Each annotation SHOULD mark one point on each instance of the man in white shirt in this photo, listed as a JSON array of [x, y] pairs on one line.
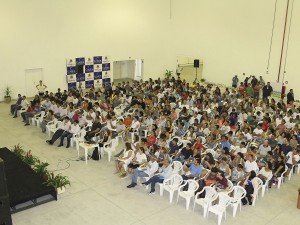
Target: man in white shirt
[[251, 164], [24, 105], [264, 148], [65, 127], [166, 172], [145, 170], [75, 129]]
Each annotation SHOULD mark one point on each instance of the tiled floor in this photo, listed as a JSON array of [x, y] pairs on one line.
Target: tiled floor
[[97, 196]]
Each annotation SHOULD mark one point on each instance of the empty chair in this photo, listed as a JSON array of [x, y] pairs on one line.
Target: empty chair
[[280, 179], [52, 126], [256, 191], [189, 193], [220, 208], [109, 148], [78, 138], [171, 185], [291, 173], [210, 196], [236, 200]]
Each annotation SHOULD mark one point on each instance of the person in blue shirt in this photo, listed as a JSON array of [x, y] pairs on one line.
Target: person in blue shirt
[[194, 169], [14, 106], [166, 172], [225, 143], [173, 147]]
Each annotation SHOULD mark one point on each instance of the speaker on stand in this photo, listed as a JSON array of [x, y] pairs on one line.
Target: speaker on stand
[[196, 65], [5, 216]]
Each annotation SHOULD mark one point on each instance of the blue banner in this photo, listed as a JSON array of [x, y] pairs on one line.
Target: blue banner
[[80, 61], [80, 77], [97, 75], [105, 66], [71, 85], [97, 59], [107, 80], [89, 84], [71, 70], [89, 68]]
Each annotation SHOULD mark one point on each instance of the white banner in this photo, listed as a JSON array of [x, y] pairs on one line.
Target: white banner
[[71, 78], [105, 59], [89, 76], [105, 74], [89, 60], [97, 83], [82, 84], [71, 62]]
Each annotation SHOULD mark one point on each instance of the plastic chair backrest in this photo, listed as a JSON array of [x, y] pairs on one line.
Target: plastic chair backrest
[[193, 185], [238, 192], [177, 179], [177, 166], [210, 193], [224, 200]]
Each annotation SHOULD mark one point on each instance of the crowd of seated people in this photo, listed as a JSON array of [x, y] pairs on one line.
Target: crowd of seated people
[[217, 135]]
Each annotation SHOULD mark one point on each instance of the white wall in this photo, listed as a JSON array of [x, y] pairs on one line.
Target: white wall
[[232, 36]]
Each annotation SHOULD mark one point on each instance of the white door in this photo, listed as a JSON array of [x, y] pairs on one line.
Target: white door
[[32, 78], [139, 69], [124, 69]]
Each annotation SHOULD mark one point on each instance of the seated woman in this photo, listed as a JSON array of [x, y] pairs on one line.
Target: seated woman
[[266, 174], [46, 120], [208, 161], [251, 185], [279, 168], [139, 159], [151, 139], [224, 167], [124, 160]]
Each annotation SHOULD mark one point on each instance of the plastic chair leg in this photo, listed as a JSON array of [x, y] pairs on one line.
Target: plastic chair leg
[[171, 196], [187, 203], [220, 218], [235, 206]]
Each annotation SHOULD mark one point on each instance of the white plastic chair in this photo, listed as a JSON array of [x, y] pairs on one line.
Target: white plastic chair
[[291, 173], [51, 125], [265, 187], [189, 194], [37, 117], [171, 185], [280, 179], [220, 208], [298, 168], [236, 200], [210, 196], [78, 138], [256, 191], [109, 148], [177, 167]]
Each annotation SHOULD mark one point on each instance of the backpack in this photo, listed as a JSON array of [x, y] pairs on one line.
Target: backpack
[[95, 155]]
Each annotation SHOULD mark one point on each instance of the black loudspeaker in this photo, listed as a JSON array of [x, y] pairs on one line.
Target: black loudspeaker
[[196, 63], [5, 216]]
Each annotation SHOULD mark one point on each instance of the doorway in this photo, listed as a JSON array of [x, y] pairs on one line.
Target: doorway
[[32, 78], [128, 69]]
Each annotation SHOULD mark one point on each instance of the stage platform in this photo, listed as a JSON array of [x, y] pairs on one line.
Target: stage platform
[[25, 187]]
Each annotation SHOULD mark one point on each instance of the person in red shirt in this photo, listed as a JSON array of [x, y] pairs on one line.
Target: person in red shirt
[[242, 89], [222, 182], [265, 125], [151, 139], [198, 145]]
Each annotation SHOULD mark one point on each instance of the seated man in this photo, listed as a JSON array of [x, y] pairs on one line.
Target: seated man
[[222, 182], [166, 172], [192, 170], [75, 128], [65, 127], [27, 115], [24, 105], [237, 174], [185, 153], [96, 127], [146, 170], [14, 106]]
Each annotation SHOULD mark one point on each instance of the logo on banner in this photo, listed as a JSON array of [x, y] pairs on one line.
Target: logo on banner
[[97, 68], [70, 63], [105, 60], [89, 68], [97, 83], [105, 67], [71, 78], [71, 70], [97, 59], [80, 61], [97, 75]]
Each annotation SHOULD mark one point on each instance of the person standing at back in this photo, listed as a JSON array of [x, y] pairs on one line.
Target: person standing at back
[[267, 91], [235, 81], [290, 97], [41, 88]]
